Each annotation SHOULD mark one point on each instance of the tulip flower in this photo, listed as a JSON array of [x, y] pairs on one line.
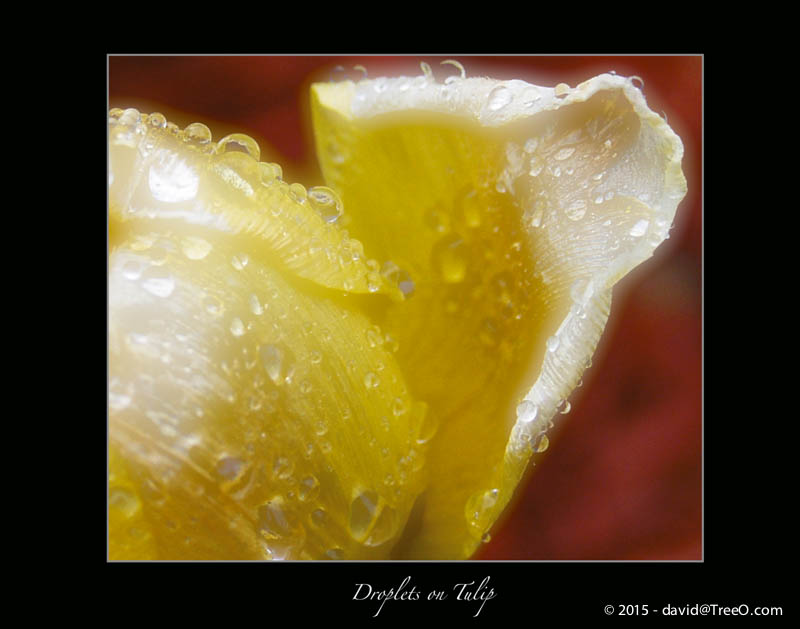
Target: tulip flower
[[365, 369]]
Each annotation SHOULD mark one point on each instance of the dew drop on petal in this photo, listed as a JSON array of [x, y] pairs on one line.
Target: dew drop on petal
[[237, 327], [326, 203], [255, 305], [499, 97], [564, 153], [540, 443], [240, 261], [239, 142], [195, 248], [197, 133], [160, 286], [527, 411], [309, 488], [576, 210], [363, 512]]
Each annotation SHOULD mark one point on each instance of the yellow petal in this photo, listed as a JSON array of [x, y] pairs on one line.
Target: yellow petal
[[514, 209], [254, 411]]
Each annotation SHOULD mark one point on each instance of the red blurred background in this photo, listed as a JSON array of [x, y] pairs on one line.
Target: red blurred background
[[622, 478]]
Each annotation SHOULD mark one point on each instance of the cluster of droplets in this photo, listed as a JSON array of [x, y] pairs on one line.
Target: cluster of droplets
[[235, 159], [479, 257]]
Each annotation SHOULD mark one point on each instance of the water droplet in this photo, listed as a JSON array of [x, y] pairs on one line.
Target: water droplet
[[280, 527], [552, 343], [283, 468], [195, 248], [255, 306], [132, 270], [239, 142], [197, 133], [373, 281], [363, 512], [298, 192], [309, 488], [399, 407], [270, 173], [486, 538], [567, 408], [384, 528], [637, 82], [530, 96], [561, 90], [277, 362], [124, 500], [213, 306], [499, 97], [527, 411], [237, 327], [371, 381], [160, 286], [536, 166], [640, 228], [326, 203], [426, 70], [423, 422], [478, 508], [455, 64], [239, 261], [118, 401], [540, 443], [564, 153], [130, 117], [576, 210], [230, 467], [157, 120], [450, 259], [239, 171]]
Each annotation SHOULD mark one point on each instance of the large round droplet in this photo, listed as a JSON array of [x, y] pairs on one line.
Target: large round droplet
[[499, 97], [527, 411], [195, 248], [239, 170], [363, 511], [197, 133], [326, 203], [239, 142]]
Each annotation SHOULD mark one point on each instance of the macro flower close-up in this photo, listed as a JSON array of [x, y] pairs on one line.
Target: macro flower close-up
[[403, 309]]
